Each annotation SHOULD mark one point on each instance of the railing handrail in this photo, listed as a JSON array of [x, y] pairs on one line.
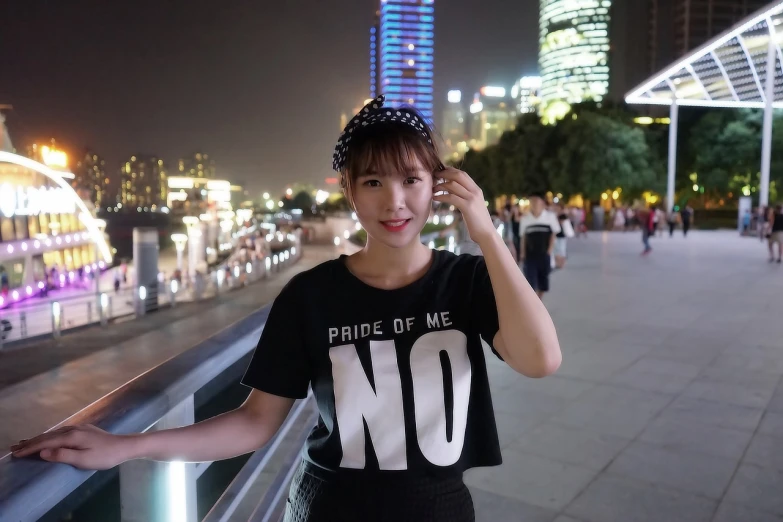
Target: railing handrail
[[30, 488], [235, 493]]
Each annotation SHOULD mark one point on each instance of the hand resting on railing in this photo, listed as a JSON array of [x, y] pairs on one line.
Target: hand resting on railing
[[234, 433]]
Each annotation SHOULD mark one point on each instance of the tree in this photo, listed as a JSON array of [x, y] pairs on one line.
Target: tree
[[302, 200], [586, 153], [597, 153]]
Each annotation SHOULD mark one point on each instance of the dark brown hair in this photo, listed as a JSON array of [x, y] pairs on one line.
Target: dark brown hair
[[387, 148]]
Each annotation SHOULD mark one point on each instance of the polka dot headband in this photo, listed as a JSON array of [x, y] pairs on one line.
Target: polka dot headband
[[374, 112]]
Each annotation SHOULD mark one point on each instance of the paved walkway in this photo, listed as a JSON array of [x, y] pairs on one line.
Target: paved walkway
[[669, 403], [47, 381]]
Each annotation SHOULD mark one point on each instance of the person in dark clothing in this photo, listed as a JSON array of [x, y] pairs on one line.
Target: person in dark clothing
[[775, 219], [686, 216], [672, 220], [647, 223], [515, 219], [538, 229]]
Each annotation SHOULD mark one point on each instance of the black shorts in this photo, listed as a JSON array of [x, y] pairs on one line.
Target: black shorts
[[377, 499], [536, 270]]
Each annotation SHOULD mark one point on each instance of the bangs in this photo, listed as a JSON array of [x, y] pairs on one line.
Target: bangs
[[390, 149]]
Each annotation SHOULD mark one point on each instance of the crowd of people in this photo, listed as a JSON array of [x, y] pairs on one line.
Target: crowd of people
[[536, 235]]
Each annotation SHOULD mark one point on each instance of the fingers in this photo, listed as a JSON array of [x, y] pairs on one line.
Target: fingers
[[63, 455], [450, 199], [64, 436], [452, 174], [452, 187]]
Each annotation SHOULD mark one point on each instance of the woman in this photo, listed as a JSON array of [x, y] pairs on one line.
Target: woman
[[385, 362], [561, 238]]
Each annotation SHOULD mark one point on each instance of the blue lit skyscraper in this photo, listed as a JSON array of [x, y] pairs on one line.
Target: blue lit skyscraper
[[402, 52]]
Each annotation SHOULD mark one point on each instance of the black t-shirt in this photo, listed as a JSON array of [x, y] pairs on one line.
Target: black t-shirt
[[561, 218], [538, 232], [777, 224], [399, 376]]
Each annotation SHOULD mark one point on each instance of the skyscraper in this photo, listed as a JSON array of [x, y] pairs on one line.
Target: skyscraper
[[144, 182], [491, 114], [90, 178], [197, 166], [526, 94], [402, 53], [454, 130], [574, 51], [698, 21]]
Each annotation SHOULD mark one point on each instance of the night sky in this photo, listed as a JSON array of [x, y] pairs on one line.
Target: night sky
[[257, 85]]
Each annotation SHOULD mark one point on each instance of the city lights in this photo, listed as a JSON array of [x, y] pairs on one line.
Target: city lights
[[455, 96], [493, 92], [402, 54], [573, 53], [54, 158]]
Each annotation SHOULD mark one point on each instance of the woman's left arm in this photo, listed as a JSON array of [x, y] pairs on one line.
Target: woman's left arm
[[527, 339]]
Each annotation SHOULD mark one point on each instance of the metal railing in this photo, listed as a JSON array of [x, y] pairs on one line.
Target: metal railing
[[159, 399], [52, 316]]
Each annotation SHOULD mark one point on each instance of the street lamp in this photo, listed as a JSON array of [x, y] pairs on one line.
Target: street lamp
[[180, 240], [190, 221], [195, 242]]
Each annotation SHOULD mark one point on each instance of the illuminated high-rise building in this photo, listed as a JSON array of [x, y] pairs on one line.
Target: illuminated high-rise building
[[492, 113], [90, 179], [454, 130], [527, 94], [574, 52], [402, 53], [197, 166], [144, 183]]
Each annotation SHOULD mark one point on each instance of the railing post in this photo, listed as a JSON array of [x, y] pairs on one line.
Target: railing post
[[173, 288], [160, 491], [89, 312], [140, 298], [23, 325], [57, 319], [103, 308]]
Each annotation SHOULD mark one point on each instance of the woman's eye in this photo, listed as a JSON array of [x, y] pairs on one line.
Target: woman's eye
[[372, 183], [411, 181]]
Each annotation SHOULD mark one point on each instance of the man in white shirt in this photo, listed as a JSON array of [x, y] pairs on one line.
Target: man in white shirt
[[538, 229]]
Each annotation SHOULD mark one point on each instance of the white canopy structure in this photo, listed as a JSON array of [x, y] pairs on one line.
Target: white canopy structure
[[741, 68]]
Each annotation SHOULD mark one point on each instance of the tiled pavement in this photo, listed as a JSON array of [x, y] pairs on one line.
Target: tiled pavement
[[669, 403]]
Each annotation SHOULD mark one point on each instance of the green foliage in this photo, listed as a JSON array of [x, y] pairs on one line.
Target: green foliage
[[588, 152], [302, 200]]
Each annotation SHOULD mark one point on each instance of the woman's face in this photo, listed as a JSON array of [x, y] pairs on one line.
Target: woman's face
[[394, 207]]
